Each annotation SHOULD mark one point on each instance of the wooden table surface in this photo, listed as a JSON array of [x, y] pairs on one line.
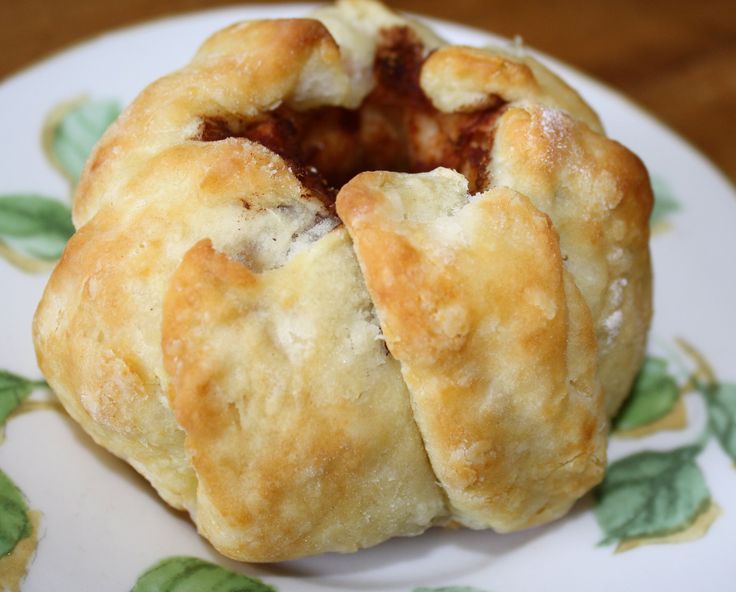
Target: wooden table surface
[[677, 58]]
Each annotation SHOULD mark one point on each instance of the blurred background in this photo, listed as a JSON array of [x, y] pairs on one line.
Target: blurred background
[[676, 58]]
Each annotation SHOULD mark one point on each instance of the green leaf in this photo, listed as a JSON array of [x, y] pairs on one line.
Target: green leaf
[[14, 520], [664, 202], [653, 396], [37, 226], [75, 134], [722, 416], [449, 589], [651, 494], [189, 574], [13, 390]]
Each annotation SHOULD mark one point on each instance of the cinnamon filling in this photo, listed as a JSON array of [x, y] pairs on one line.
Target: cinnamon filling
[[396, 128]]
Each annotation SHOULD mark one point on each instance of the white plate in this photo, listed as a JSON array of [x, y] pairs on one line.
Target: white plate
[[102, 525]]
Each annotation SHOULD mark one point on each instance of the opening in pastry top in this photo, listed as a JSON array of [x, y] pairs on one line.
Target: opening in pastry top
[[396, 128]]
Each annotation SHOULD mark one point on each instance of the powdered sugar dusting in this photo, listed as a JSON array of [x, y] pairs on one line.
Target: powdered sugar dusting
[[272, 169], [612, 323], [616, 291], [555, 126]]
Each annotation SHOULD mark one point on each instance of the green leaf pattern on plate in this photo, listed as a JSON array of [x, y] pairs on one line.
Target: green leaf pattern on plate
[[651, 494], [654, 395], [664, 201], [35, 225], [77, 132], [189, 574], [14, 390], [722, 416], [34, 228], [14, 520]]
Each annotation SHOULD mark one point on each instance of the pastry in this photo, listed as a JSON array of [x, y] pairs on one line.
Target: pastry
[[337, 281]]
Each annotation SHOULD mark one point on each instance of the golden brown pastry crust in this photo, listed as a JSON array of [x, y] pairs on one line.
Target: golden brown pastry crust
[[209, 322], [108, 370], [495, 344], [598, 196], [281, 378]]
